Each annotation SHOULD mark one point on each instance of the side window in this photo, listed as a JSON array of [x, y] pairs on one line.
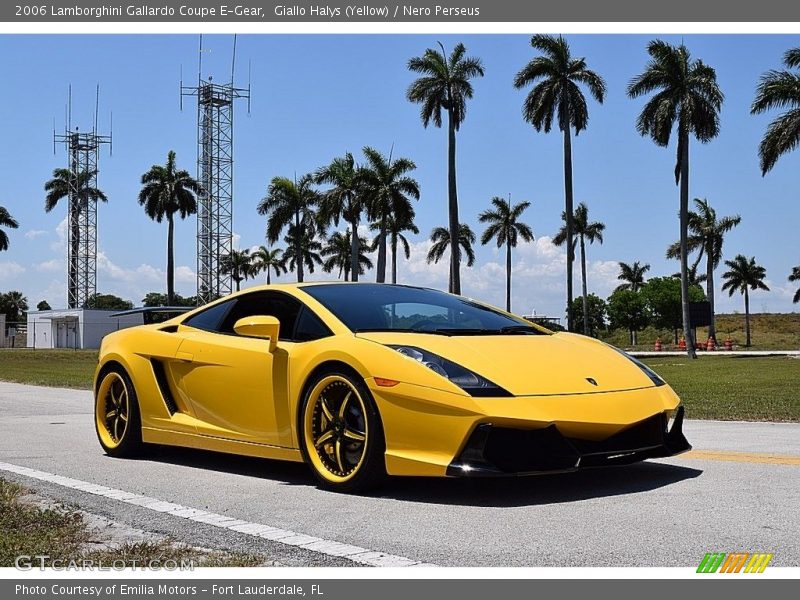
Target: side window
[[310, 327], [211, 318], [283, 307]]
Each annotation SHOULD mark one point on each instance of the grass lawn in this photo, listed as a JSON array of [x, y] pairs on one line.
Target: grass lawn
[[734, 388], [768, 332], [713, 387], [56, 368], [60, 533]]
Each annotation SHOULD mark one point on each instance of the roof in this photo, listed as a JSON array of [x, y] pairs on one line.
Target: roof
[[153, 309]]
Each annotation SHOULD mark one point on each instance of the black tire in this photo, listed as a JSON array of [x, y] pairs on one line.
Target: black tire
[[129, 444], [371, 471]]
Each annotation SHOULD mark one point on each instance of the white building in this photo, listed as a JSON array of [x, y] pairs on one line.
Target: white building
[[75, 327]]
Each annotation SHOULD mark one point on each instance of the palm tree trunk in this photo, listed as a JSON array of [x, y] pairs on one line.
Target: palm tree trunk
[[508, 276], [747, 317], [268, 281], [394, 259], [452, 202], [298, 248], [380, 277], [583, 289], [354, 249], [684, 223], [712, 326], [569, 220], [170, 260]]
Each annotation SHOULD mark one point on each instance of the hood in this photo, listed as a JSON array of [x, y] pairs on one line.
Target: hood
[[531, 365]]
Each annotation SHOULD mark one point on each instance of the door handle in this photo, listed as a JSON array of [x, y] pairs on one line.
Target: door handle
[[185, 356]]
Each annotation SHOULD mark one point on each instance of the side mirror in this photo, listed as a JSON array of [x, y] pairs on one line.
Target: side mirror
[[259, 326]]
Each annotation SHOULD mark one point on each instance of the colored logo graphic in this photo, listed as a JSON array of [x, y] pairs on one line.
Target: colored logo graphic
[[740, 562]]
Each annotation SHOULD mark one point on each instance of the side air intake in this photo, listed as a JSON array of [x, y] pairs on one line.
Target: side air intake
[[163, 385]]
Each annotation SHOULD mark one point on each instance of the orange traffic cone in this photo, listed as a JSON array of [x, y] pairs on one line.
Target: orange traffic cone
[[659, 345], [729, 343], [711, 344], [682, 344]]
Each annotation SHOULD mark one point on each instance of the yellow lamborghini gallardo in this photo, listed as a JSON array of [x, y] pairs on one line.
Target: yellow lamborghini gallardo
[[364, 380]]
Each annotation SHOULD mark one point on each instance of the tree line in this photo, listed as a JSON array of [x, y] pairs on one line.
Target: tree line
[[682, 101]]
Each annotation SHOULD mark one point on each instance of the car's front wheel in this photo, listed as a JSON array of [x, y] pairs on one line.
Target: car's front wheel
[[117, 419], [341, 434]]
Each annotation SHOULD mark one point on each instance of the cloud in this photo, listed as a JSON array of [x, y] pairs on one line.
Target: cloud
[[32, 234], [537, 276], [51, 266], [184, 274], [60, 245], [10, 271], [132, 283]]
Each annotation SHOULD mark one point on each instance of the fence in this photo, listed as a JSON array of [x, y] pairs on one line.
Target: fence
[[14, 335]]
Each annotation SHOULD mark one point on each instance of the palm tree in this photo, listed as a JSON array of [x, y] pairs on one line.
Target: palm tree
[[6, 220], [585, 231], [558, 95], [779, 89], [239, 265], [695, 279], [304, 246], [686, 98], [445, 85], [15, 305], [706, 234], [80, 191], [632, 275], [440, 236], [337, 253], [291, 204], [506, 228], [394, 229], [744, 275], [166, 190], [268, 260], [795, 276], [388, 190], [343, 200]]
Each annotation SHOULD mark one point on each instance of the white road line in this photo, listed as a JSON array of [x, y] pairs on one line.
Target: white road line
[[290, 538]]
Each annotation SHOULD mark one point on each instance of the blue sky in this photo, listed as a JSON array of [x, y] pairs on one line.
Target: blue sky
[[317, 96]]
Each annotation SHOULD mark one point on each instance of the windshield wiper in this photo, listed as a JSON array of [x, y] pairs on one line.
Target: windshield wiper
[[459, 331], [519, 330], [400, 330]]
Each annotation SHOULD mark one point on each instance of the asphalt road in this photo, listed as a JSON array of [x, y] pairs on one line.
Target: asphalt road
[[738, 491]]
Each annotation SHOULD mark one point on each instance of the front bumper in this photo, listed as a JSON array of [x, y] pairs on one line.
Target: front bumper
[[493, 451]]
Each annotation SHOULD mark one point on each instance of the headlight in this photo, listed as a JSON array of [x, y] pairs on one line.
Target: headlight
[[470, 382], [654, 377]]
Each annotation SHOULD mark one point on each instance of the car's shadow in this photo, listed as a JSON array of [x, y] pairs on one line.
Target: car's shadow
[[494, 492]]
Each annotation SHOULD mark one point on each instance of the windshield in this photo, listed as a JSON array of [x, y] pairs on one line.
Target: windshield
[[380, 307]]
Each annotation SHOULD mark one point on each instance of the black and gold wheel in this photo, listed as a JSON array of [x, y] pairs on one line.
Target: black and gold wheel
[[341, 434], [117, 420]]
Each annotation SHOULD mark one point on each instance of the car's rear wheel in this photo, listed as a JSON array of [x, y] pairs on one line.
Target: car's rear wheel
[[117, 420], [341, 434]]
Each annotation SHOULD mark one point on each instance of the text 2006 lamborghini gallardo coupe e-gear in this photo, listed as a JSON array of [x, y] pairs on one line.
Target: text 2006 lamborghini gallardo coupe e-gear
[[364, 380]]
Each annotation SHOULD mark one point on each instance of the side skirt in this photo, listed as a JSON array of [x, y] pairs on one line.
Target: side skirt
[[205, 442]]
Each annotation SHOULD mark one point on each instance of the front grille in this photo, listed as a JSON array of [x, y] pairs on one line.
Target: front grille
[[492, 450]]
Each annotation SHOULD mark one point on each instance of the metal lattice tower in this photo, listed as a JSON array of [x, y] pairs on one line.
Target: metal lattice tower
[[215, 175], [83, 152]]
